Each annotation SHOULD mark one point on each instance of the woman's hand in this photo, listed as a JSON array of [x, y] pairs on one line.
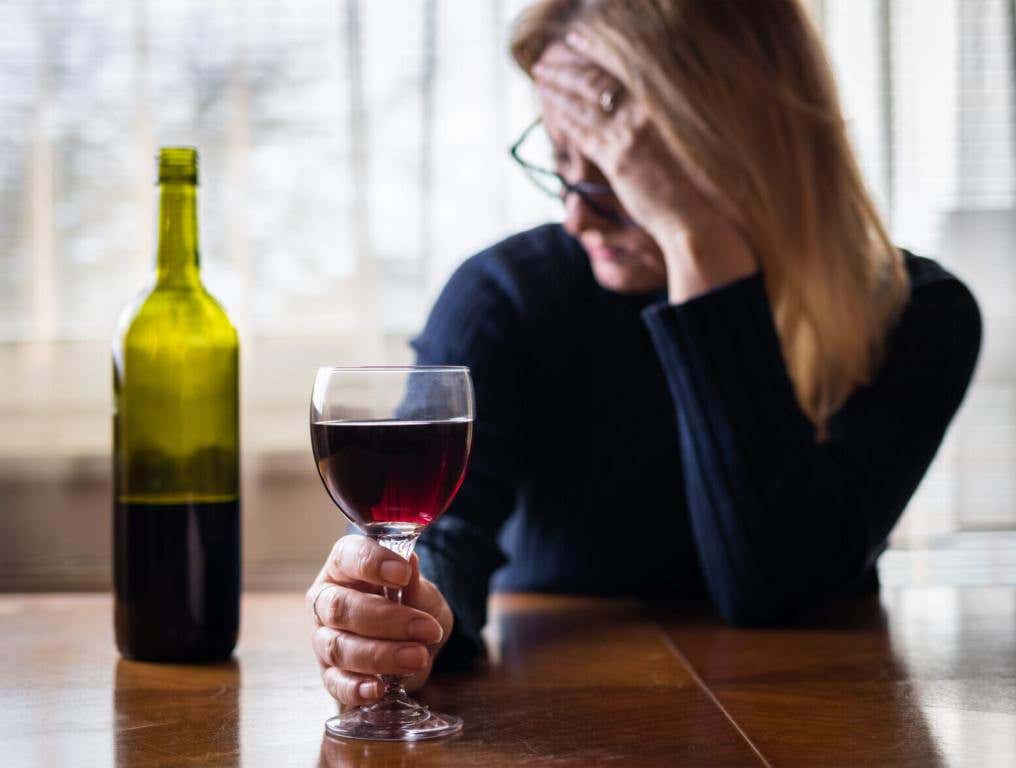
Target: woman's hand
[[701, 247], [360, 633]]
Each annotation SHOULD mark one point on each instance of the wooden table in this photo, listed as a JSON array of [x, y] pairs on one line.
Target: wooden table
[[926, 676]]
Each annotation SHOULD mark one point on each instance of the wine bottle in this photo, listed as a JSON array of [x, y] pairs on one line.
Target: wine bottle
[[176, 505]]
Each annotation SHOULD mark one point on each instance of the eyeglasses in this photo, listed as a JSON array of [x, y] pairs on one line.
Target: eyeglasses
[[599, 198]]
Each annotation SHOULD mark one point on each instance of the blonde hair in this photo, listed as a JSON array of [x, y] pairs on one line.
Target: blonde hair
[[744, 96]]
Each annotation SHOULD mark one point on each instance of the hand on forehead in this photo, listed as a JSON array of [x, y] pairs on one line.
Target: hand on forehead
[[559, 53], [571, 66]]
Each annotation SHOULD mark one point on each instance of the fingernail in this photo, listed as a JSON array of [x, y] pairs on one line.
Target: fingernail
[[575, 40], [396, 572], [411, 657], [367, 690], [425, 630]]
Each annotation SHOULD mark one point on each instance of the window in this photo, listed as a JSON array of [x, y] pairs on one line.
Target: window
[[352, 154]]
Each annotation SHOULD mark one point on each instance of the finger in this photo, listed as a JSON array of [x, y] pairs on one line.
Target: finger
[[578, 122], [562, 102], [357, 559], [352, 653], [559, 52], [564, 54], [317, 595], [585, 82], [424, 594], [421, 593], [374, 616], [593, 50], [601, 147], [350, 688]]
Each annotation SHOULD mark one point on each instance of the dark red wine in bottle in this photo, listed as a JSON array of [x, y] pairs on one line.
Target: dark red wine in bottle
[[392, 471], [177, 579]]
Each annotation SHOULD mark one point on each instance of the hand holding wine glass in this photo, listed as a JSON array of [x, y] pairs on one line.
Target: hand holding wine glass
[[391, 446], [362, 634]]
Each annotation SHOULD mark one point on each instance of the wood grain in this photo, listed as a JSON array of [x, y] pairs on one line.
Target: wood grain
[[924, 677], [571, 682]]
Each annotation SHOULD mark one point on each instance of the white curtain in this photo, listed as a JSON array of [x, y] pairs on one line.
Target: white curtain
[[353, 153]]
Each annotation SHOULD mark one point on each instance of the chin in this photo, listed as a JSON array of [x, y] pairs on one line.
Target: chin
[[624, 278]]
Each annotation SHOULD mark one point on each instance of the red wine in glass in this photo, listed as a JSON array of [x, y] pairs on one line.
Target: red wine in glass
[[383, 472]]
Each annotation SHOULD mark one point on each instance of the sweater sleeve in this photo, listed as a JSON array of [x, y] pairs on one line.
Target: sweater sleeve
[[779, 519], [475, 323]]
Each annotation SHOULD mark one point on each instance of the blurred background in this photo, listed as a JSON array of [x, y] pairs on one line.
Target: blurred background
[[353, 153]]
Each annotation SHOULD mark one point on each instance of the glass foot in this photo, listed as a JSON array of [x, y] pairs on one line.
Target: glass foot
[[397, 719]]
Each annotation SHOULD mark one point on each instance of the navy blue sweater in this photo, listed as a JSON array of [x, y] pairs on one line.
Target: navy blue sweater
[[624, 445]]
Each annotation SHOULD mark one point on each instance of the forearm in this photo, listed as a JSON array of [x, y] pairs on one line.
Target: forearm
[[776, 528], [778, 518]]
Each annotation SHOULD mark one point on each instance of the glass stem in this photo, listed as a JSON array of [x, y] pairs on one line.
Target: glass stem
[[401, 543]]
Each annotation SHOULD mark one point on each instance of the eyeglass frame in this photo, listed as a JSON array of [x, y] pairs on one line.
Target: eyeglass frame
[[584, 189]]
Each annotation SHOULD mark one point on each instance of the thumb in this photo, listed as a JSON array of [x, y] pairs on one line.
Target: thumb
[[423, 594]]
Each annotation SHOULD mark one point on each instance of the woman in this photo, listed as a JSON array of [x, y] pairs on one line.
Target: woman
[[718, 377]]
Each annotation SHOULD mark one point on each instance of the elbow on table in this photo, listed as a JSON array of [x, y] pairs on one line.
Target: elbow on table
[[780, 596], [752, 619], [754, 609]]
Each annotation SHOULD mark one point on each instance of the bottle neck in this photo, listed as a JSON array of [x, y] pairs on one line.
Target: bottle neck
[[178, 235]]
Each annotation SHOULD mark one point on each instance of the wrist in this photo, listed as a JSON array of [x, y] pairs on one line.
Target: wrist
[[698, 261]]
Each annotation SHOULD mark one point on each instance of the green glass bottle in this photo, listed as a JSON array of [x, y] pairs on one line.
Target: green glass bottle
[[176, 505]]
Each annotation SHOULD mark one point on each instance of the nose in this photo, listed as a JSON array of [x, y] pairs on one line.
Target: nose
[[578, 215]]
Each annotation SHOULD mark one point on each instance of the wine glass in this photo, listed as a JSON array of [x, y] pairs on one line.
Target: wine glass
[[391, 445]]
